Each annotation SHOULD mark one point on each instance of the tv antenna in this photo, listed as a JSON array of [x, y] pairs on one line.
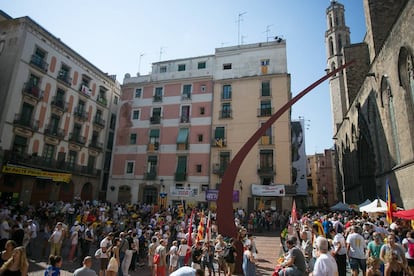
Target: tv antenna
[[239, 19], [161, 52], [267, 32], [139, 63]]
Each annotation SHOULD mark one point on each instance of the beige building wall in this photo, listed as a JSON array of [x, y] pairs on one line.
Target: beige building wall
[[246, 116]]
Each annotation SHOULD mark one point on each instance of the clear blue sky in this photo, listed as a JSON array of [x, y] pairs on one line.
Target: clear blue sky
[[113, 34]]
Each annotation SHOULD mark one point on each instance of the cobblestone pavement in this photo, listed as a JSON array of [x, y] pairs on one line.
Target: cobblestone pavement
[[268, 245]]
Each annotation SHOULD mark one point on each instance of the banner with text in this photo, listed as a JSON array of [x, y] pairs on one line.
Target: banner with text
[[55, 176], [268, 190], [212, 195]]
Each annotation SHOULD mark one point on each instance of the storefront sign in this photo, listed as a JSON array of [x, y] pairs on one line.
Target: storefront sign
[[268, 190], [181, 192], [212, 195], [56, 177]]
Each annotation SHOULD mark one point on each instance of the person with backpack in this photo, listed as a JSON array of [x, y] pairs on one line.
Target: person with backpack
[[408, 244], [230, 257]]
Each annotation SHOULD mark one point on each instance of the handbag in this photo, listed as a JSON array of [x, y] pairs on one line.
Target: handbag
[[113, 265], [156, 259]]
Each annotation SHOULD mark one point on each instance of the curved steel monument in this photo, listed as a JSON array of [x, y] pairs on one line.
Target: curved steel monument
[[226, 226]]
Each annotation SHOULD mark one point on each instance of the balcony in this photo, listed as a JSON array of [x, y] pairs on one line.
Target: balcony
[[153, 147], [39, 63], [98, 121], [85, 90], [265, 112], [184, 120], [22, 121], [157, 98], [219, 142], [54, 132], [76, 138], [102, 101], [180, 176], [59, 103], [80, 114], [41, 162], [186, 97], [151, 175], [64, 78], [155, 120], [96, 145], [182, 146], [266, 140], [32, 91], [266, 170], [225, 114]]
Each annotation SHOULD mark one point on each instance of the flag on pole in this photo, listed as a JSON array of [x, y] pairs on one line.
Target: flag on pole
[[200, 230], [293, 215], [190, 239], [391, 206], [208, 228]]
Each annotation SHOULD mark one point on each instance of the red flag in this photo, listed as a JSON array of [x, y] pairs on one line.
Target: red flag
[[190, 240], [200, 230], [293, 215], [391, 206]]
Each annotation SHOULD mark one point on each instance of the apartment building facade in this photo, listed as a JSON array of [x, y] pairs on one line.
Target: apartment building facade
[[250, 84], [56, 114], [162, 145], [180, 126], [321, 177]]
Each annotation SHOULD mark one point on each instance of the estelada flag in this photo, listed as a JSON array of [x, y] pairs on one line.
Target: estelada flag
[[391, 206], [293, 215]]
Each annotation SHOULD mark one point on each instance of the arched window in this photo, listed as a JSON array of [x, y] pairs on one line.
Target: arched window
[[331, 47], [339, 43], [330, 21], [387, 98]]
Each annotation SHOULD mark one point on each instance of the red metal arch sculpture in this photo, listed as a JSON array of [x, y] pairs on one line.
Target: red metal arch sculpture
[[225, 215]]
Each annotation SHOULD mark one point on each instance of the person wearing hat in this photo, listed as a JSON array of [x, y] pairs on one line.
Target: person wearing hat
[[295, 263], [231, 258]]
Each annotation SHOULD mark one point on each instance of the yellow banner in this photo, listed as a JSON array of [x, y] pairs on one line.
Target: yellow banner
[[57, 177]]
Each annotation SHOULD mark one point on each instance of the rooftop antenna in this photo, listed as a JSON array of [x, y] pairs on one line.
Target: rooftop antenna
[[239, 19], [161, 52], [267, 32], [139, 63]]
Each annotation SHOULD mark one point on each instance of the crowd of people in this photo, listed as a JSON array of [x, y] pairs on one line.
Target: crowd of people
[[318, 244], [123, 238]]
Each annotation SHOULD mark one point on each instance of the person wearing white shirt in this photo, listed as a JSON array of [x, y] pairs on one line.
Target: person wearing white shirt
[[339, 251], [356, 246], [325, 264]]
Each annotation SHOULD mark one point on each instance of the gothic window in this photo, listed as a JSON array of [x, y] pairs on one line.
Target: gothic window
[[387, 98], [339, 43], [331, 47]]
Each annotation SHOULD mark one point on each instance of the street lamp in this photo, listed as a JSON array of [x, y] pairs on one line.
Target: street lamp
[[162, 183]]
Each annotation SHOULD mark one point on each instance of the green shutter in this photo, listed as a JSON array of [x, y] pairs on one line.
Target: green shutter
[[182, 137], [219, 133], [154, 133]]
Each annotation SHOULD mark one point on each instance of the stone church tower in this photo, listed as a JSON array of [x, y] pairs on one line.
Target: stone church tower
[[336, 37]]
